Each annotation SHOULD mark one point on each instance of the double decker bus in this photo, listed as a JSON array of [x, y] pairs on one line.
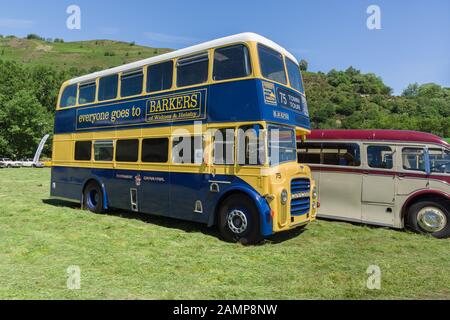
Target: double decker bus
[[205, 134]]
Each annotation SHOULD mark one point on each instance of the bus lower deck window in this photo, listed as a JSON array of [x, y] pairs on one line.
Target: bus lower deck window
[[127, 150], [155, 150], [188, 150], [83, 150], [103, 150]]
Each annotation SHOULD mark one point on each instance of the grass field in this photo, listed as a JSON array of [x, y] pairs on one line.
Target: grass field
[[82, 54], [128, 256]]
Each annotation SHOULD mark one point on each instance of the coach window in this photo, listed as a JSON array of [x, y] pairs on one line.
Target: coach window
[[413, 159], [155, 150], [127, 150], [272, 65], [439, 160], [192, 70], [379, 157], [107, 87], [103, 150], [341, 154], [69, 96], [159, 76], [83, 150], [231, 62], [309, 153], [224, 146], [131, 83], [188, 150], [87, 92]]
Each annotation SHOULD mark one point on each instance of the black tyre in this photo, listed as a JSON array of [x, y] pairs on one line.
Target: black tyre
[[430, 217], [239, 220], [93, 198]]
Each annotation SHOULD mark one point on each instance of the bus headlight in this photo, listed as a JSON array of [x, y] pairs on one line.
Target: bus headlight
[[314, 194], [284, 197]]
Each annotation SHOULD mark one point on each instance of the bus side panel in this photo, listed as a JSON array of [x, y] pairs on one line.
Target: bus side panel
[[66, 183]]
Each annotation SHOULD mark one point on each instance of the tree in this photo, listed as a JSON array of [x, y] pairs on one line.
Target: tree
[[23, 122], [303, 65]]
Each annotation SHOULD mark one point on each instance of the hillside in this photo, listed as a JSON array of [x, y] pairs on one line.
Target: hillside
[[98, 54], [33, 69]]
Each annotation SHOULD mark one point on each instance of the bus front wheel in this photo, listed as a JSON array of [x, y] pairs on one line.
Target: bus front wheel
[[93, 198], [239, 220], [430, 217]]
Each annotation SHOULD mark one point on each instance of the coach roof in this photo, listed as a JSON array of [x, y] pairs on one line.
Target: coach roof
[[242, 37], [377, 135]]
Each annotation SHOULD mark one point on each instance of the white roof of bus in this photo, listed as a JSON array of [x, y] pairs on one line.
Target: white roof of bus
[[241, 37]]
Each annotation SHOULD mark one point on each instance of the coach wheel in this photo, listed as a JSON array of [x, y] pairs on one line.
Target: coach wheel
[[9, 166], [93, 198], [429, 217], [239, 220]]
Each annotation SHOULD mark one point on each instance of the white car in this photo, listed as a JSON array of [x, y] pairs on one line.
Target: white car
[[8, 163], [29, 163]]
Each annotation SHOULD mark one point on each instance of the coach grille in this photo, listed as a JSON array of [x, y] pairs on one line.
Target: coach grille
[[300, 196]]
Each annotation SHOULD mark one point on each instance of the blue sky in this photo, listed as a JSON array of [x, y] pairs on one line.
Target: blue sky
[[412, 46]]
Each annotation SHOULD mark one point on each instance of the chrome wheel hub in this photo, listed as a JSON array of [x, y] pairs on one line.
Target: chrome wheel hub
[[431, 219], [237, 221]]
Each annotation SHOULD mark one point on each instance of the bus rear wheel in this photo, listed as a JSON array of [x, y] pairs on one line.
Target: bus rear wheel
[[239, 220], [93, 198], [430, 217]]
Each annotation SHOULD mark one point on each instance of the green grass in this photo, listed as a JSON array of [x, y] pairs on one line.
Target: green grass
[[81, 54], [128, 256]]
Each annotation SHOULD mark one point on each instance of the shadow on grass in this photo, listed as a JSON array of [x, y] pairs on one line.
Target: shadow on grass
[[173, 223], [166, 222]]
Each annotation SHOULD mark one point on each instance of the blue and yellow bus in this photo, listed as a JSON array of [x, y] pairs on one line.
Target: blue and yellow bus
[[149, 137]]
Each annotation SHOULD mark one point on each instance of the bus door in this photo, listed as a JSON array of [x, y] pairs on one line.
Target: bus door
[[378, 186], [189, 176], [153, 181], [412, 174]]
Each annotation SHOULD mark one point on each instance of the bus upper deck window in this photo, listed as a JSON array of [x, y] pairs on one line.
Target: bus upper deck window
[[69, 96], [192, 70], [272, 65], [107, 87], [87, 92], [295, 77], [231, 62], [160, 76], [131, 83]]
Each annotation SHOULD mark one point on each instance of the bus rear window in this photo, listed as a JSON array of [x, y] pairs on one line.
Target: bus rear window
[[231, 62], [159, 76], [107, 88], [272, 65], [69, 96], [192, 70], [87, 93], [131, 83], [295, 78]]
